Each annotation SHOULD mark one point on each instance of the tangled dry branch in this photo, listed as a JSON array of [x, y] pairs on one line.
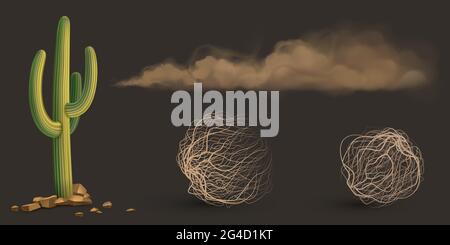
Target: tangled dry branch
[[226, 165], [381, 166]]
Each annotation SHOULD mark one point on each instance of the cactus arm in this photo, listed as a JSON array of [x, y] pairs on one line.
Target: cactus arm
[[42, 120], [77, 108], [75, 93]]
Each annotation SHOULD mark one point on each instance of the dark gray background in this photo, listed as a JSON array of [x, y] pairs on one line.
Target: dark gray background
[[124, 149]]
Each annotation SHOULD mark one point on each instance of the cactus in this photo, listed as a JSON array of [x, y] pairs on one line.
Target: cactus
[[71, 99]]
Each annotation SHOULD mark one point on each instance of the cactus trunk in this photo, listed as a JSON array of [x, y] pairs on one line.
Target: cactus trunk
[[62, 160], [70, 101], [62, 164]]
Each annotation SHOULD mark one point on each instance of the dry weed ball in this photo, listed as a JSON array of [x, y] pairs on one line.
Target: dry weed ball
[[381, 166], [225, 165]]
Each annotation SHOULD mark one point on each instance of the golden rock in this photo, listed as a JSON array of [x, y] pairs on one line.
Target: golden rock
[[30, 207], [107, 204], [79, 214], [48, 202], [88, 201], [77, 200], [61, 201], [15, 208], [37, 199], [78, 189]]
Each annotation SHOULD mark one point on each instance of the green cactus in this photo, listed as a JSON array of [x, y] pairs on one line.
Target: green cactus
[[70, 101]]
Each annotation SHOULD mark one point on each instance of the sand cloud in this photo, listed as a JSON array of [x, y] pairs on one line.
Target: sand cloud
[[340, 60]]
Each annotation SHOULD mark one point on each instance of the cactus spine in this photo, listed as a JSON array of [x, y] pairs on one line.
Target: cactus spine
[[70, 100]]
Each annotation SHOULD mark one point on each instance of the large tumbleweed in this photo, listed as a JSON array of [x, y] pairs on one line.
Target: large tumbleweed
[[381, 166], [226, 165]]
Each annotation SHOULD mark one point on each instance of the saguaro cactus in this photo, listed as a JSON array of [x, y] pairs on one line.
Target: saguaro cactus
[[70, 101]]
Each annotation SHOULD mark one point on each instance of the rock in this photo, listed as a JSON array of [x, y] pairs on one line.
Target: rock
[[48, 202], [87, 195], [77, 200], [78, 189], [30, 207], [15, 208], [99, 212], [61, 201], [37, 199], [79, 214], [107, 204], [130, 210], [94, 210], [88, 201]]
